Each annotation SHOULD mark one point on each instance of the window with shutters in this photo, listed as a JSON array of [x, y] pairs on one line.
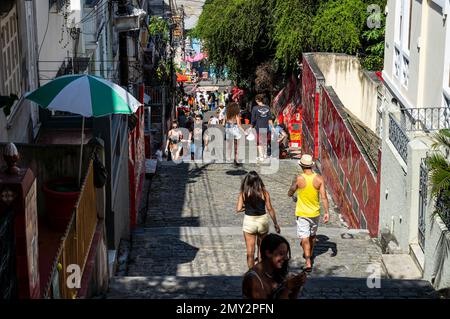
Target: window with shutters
[[403, 40], [10, 82]]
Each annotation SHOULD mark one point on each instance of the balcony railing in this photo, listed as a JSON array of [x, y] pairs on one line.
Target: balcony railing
[[75, 245], [443, 208], [158, 94], [398, 138], [427, 119]]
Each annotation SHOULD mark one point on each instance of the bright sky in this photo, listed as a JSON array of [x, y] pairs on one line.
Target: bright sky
[[192, 9]]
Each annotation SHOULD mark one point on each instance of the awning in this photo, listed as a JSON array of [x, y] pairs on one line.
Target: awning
[[198, 57]]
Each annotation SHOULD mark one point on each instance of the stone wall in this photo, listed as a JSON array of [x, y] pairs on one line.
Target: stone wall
[[356, 88]]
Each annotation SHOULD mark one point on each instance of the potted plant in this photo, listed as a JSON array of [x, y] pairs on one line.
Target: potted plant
[[61, 196]]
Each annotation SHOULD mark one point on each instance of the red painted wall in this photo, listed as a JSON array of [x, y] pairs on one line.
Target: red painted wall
[[136, 161], [352, 184], [346, 171], [309, 97]]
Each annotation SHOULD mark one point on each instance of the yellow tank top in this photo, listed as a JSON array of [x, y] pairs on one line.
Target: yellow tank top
[[308, 204]]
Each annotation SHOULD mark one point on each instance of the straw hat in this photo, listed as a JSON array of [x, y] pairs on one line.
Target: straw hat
[[306, 161]]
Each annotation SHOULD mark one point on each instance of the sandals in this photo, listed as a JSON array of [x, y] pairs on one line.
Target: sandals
[[307, 269]]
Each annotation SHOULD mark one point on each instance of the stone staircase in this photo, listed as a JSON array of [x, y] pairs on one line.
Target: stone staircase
[[190, 244], [208, 262]]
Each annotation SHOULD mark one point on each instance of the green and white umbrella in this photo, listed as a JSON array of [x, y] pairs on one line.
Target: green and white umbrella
[[85, 95]]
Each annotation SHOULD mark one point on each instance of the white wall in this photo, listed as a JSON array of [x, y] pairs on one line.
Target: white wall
[[433, 58], [399, 185], [356, 90], [411, 92], [437, 256], [57, 44], [389, 40], [426, 55], [393, 186]]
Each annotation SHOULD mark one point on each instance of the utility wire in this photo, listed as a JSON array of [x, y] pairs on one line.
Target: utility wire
[[45, 34], [94, 11]]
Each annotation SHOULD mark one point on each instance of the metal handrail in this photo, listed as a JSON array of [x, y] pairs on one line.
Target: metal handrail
[[15, 109], [398, 138], [427, 119], [443, 208]]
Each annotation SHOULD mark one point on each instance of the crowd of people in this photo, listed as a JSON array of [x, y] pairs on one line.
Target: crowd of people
[[224, 109], [268, 275]]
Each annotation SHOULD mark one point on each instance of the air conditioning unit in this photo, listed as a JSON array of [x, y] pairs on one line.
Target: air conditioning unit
[[129, 22]]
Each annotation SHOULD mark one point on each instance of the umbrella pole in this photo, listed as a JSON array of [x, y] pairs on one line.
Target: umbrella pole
[[81, 152]]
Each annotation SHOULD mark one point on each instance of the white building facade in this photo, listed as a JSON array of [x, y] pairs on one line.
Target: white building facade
[[416, 104]]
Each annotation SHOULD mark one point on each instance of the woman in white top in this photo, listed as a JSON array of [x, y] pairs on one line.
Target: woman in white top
[[222, 112], [213, 120], [233, 130]]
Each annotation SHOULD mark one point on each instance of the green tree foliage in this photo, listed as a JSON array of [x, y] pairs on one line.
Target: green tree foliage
[[372, 56], [338, 26], [374, 52], [158, 27], [237, 34], [439, 164], [245, 34], [292, 30], [439, 170]]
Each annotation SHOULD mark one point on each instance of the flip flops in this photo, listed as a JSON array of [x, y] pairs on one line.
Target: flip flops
[[307, 269]]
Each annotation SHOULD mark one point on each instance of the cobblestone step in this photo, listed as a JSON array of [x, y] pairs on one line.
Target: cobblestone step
[[205, 195], [191, 244], [220, 287], [217, 251]]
